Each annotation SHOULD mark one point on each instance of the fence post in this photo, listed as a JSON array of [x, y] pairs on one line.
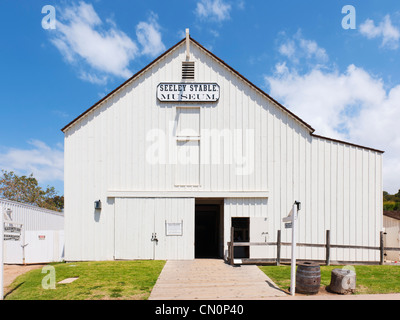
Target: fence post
[[328, 247], [382, 248], [278, 248]]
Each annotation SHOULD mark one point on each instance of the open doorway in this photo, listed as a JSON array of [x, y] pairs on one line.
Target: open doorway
[[208, 229], [241, 234]]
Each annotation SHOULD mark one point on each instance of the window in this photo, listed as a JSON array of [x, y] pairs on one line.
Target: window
[[187, 170], [188, 123]]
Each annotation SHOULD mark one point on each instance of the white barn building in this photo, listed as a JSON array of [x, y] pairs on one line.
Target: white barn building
[[188, 148], [41, 238], [391, 225]]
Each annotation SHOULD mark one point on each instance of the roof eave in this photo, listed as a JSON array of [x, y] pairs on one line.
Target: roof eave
[[121, 86], [70, 124], [347, 143], [309, 127]]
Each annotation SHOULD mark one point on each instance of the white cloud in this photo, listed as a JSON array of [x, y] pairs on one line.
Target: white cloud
[[390, 34], [81, 37], [352, 105], [328, 100], [297, 48], [312, 50], [101, 50], [217, 10], [149, 36], [93, 78], [288, 49], [46, 163]]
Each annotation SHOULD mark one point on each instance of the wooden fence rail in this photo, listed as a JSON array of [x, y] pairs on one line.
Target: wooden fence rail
[[328, 246]]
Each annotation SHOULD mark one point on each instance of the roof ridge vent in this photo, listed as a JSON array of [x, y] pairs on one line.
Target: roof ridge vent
[[188, 70]]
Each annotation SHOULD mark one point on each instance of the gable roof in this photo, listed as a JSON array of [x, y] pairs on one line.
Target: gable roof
[[209, 53], [263, 93], [120, 87]]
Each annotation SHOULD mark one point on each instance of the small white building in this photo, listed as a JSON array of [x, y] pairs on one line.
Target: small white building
[[391, 224], [42, 234], [187, 148]]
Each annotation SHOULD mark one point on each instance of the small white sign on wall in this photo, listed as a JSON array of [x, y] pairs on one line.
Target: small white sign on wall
[[174, 229]]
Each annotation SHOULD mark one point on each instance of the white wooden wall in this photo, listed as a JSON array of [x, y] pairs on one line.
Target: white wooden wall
[[35, 221], [138, 218], [113, 149], [339, 187], [40, 246], [33, 218], [344, 196]]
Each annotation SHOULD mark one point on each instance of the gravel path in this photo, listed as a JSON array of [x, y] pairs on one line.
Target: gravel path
[[13, 271]]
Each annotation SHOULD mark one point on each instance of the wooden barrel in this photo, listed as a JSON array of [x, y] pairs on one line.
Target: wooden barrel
[[308, 278]]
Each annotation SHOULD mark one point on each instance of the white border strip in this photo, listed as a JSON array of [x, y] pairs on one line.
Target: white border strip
[[187, 194]]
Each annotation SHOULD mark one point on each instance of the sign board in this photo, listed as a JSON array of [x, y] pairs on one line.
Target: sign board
[[289, 218], [174, 229], [41, 237], [188, 92], [288, 225], [12, 231]]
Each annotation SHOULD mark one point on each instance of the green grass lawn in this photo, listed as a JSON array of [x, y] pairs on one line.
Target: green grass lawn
[[370, 279], [131, 280]]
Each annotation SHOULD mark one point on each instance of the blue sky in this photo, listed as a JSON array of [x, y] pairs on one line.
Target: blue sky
[[343, 82]]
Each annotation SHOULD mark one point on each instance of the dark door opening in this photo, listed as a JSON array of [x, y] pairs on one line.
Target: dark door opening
[[207, 226], [241, 234]]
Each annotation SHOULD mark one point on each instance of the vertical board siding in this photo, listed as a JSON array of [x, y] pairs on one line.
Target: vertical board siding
[[35, 221], [392, 237], [353, 204], [33, 218], [339, 185], [137, 219]]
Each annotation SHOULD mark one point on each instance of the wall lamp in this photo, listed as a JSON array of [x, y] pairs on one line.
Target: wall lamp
[[97, 205]]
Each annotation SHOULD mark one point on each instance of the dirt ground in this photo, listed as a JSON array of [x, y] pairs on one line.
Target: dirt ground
[[13, 271], [322, 292]]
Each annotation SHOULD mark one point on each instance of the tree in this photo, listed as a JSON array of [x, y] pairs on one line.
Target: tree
[[56, 201], [391, 202], [27, 190], [385, 194]]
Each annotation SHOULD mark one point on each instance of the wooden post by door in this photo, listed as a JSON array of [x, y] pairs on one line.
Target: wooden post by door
[[278, 248], [328, 247], [232, 247]]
